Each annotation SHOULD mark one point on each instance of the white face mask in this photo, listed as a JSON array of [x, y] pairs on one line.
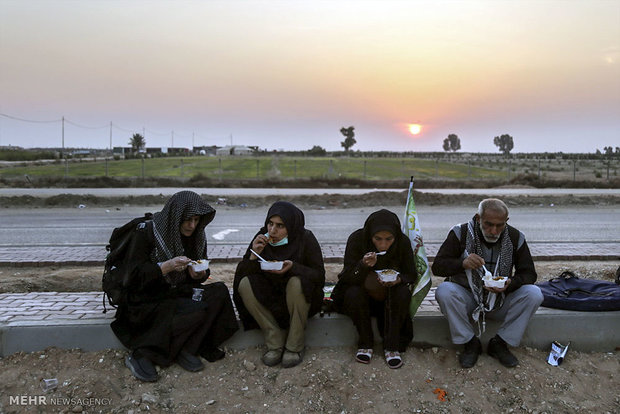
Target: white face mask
[[278, 243]]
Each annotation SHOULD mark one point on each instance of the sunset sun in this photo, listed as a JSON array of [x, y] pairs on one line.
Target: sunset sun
[[415, 129]]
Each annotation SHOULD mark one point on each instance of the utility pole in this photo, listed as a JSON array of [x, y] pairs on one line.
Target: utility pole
[[63, 135], [192, 140], [110, 136]]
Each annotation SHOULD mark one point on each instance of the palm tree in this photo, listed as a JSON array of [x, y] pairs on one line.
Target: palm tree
[[137, 143]]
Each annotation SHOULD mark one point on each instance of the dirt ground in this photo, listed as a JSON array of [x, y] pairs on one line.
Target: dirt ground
[[88, 278], [328, 381]]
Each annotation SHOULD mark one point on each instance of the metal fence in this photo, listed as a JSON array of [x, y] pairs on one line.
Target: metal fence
[[285, 167]]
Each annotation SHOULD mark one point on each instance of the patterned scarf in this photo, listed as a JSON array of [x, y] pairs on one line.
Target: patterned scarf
[[167, 230], [486, 301]]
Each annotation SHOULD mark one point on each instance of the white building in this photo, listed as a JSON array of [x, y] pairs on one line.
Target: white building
[[234, 150]]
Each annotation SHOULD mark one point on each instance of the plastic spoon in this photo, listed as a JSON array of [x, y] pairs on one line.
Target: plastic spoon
[[486, 272], [381, 253], [258, 255]]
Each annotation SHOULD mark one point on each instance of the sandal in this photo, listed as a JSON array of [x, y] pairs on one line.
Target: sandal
[[363, 355], [393, 359]]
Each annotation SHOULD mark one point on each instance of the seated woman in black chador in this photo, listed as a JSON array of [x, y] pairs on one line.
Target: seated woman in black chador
[[360, 293], [160, 323], [280, 301]]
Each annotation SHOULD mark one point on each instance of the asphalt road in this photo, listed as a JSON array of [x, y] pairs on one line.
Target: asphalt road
[[60, 226]]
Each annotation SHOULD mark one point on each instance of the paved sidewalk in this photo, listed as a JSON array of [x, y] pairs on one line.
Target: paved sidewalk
[[95, 255], [41, 307]]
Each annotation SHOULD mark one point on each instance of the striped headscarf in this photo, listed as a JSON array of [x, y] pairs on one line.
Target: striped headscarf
[[167, 230]]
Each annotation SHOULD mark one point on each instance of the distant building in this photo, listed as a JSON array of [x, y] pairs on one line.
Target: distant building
[[121, 150], [235, 150], [175, 151], [205, 150]]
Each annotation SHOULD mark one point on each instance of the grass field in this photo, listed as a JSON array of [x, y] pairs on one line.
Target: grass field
[[281, 167]]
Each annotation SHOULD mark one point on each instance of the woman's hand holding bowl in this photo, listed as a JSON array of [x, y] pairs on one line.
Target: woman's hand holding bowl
[[176, 264]]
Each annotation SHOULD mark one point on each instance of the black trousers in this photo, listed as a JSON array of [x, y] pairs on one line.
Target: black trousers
[[198, 326], [392, 315]]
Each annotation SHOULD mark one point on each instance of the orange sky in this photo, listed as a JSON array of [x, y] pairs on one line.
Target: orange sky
[[284, 75]]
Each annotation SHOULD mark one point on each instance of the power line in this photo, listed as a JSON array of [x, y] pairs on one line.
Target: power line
[[157, 133], [131, 131], [86, 127], [30, 120]]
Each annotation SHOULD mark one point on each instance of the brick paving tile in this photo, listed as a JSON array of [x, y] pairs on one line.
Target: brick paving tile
[[69, 316], [98, 315], [22, 312], [18, 318]]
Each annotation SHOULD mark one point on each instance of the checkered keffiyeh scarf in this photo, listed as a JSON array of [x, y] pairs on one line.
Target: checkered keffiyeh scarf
[[167, 230], [485, 300]]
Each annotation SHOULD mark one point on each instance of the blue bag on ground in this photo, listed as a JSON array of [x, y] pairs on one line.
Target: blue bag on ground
[[569, 292]]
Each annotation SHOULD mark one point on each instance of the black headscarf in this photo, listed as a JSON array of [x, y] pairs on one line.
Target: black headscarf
[[385, 220], [294, 222], [169, 242]]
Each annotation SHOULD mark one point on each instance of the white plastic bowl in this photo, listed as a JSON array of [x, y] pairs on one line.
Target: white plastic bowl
[[271, 265], [200, 265], [387, 275], [499, 283]]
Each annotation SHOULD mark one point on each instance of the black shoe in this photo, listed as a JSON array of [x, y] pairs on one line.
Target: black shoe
[[498, 348], [291, 359], [141, 368], [189, 362], [469, 356], [213, 354]]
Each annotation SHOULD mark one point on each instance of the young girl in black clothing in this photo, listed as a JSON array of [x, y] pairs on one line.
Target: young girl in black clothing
[[360, 292]]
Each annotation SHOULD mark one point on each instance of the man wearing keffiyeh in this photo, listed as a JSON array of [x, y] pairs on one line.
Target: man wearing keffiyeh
[[486, 241]]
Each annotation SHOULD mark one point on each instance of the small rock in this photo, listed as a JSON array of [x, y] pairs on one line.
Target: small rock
[[149, 398], [210, 402], [435, 349], [77, 409], [248, 365]]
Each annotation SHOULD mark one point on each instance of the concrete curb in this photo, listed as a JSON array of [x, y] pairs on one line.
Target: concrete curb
[[34, 321]]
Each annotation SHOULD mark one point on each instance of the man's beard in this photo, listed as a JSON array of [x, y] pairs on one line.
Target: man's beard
[[488, 238]]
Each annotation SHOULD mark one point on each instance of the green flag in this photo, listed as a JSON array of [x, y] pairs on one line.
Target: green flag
[[411, 227]]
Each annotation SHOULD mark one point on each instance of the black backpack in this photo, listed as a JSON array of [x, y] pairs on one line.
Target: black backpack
[[114, 280]]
